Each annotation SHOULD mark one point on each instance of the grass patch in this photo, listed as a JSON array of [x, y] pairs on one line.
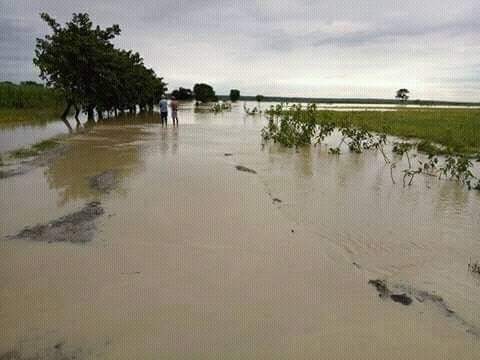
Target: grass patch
[[12, 117], [34, 150], [456, 130]]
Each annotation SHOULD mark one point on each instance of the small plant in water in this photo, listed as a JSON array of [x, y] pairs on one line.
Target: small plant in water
[[297, 126], [334, 151], [474, 267]]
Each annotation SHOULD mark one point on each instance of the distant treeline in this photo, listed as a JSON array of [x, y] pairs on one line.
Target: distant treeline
[[29, 95], [80, 60], [351, 101]]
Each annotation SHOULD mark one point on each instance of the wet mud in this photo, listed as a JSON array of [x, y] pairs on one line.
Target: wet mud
[[20, 167], [104, 182], [405, 294], [245, 169], [77, 227], [55, 352]]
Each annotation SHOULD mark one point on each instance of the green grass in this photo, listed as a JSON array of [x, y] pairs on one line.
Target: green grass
[[34, 150], [456, 130], [28, 102], [12, 117], [28, 96]]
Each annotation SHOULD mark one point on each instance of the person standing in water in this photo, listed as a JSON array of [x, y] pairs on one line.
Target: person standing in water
[[174, 107], [163, 110]]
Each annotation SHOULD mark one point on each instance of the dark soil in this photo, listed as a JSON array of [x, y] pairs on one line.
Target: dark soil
[[55, 353], [39, 159], [401, 298], [245, 169], [78, 227]]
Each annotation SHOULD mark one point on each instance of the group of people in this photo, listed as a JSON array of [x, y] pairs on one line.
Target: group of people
[[164, 110]]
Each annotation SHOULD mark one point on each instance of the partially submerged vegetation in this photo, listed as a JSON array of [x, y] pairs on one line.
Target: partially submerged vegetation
[[14, 117], [28, 101], [474, 267], [35, 149], [297, 126], [28, 95], [457, 130]]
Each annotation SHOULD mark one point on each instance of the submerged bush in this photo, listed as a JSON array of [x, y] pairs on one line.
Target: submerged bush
[[298, 126]]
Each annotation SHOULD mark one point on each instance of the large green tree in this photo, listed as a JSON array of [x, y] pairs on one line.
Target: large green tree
[[234, 94], [80, 60], [402, 94], [204, 93], [182, 94]]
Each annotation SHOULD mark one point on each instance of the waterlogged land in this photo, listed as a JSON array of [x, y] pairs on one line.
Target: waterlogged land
[[458, 130], [200, 242]]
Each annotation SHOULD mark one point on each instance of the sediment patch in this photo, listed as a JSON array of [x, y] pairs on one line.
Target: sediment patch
[[43, 158], [245, 169], [77, 227], [385, 292], [403, 294], [56, 352], [105, 181]]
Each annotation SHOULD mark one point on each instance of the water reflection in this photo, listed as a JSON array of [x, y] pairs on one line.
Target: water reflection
[[114, 146]]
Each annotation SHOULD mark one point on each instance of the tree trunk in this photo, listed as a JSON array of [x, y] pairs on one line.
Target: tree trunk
[[67, 110], [90, 113], [64, 115], [77, 112]]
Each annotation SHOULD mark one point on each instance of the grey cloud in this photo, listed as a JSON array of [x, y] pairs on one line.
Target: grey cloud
[[231, 41]]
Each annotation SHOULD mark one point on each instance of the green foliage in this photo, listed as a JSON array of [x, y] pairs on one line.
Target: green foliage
[[204, 93], [456, 130], [296, 126], [182, 94], [80, 60], [28, 95], [234, 95], [402, 94]]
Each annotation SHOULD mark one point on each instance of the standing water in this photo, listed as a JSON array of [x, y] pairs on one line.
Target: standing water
[[193, 258]]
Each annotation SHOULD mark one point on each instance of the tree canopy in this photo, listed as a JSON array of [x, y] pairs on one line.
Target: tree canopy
[[260, 98], [402, 94], [182, 94], [80, 60], [204, 93], [234, 94]]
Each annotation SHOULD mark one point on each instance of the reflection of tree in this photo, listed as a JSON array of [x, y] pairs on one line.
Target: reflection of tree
[[111, 146]]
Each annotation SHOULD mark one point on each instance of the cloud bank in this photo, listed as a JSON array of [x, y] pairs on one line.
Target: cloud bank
[[364, 48]]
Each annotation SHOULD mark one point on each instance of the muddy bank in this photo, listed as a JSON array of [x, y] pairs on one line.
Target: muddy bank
[[405, 295], [16, 167], [77, 227]]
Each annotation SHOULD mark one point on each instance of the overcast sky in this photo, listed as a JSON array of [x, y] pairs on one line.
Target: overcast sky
[[327, 48]]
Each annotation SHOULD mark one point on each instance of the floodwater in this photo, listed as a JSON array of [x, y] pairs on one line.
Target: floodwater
[[195, 259]]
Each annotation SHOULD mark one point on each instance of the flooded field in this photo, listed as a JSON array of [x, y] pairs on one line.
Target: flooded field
[[200, 242]]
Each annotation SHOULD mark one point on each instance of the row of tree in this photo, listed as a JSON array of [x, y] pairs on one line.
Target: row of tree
[[80, 60]]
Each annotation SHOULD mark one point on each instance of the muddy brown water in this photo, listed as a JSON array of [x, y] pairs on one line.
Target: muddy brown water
[[196, 259]]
